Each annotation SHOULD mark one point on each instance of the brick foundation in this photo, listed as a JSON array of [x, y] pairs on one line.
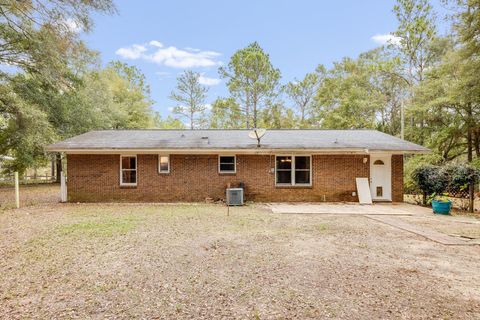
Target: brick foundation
[[95, 178]]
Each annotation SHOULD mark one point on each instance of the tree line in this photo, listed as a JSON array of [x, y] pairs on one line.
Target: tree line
[[421, 85]]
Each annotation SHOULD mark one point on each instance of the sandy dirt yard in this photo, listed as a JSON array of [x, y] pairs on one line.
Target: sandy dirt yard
[[124, 261], [29, 195]]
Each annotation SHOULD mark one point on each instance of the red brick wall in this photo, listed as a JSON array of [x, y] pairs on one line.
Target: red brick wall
[[397, 178], [95, 178]]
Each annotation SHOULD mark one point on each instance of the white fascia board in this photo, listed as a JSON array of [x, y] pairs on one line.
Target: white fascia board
[[234, 151]]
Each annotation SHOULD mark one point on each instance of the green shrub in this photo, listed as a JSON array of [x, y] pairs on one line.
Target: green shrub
[[412, 163], [461, 175], [430, 179]]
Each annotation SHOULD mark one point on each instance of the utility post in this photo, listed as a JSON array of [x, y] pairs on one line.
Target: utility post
[[402, 120], [17, 191]]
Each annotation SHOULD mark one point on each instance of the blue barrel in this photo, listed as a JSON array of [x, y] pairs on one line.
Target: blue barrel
[[441, 207]]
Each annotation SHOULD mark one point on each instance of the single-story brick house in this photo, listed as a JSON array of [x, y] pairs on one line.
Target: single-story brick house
[[192, 165]]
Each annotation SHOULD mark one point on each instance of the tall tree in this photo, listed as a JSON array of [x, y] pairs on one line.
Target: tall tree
[[191, 95], [24, 130], [416, 29], [131, 95], [226, 114], [302, 93], [41, 39], [100, 99], [438, 93], [167, 123], [252, 80], [347, 98], [40, 35], [276, 116], [467, 27]]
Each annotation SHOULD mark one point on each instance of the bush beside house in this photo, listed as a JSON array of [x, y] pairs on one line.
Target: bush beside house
[[434, 180]]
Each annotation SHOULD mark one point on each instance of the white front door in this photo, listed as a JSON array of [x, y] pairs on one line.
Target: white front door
[[381, 177]]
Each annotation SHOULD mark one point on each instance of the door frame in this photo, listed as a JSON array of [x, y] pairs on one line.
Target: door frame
[[387, 192]]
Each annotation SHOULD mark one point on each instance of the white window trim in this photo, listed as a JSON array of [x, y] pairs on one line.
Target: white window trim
[[234, 163], [121, 170], [168, 170], [293, 184]]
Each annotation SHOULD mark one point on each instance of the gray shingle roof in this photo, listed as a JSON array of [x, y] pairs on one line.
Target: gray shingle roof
[[236, 139]]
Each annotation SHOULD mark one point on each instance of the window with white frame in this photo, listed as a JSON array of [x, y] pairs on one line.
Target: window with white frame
[[164, 163], [128, 170], [226, 164], [293, 170]]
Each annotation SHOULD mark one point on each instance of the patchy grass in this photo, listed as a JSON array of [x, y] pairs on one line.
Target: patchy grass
[[188, 261], [106, 227]]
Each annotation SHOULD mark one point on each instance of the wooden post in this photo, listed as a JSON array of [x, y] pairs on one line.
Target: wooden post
[[17, 191], [63, 187]]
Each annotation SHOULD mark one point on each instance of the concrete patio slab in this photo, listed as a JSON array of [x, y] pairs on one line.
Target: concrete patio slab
[[340, 208]]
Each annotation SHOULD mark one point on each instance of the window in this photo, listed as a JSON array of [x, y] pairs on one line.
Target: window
[[378, 162], [284, 170], [128, 170], [302, 170], [226, 164], [293, 170], [163, 163]]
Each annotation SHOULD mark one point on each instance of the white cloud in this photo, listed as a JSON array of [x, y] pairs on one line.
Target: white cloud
[[170, 109], [72, 25], [156, 43], [192, 49], [208, 106], [133, 52], [208, 81], [178, 58], [170, 56], [384, 39]]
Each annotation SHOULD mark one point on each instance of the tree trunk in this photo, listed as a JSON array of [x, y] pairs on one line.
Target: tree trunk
[[476, 142], [58, 164], [254, 111], [471, 186], [302, 119], [52, 164], [247, 109]]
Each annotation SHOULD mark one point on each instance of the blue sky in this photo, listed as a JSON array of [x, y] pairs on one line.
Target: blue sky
[[163, 38]]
